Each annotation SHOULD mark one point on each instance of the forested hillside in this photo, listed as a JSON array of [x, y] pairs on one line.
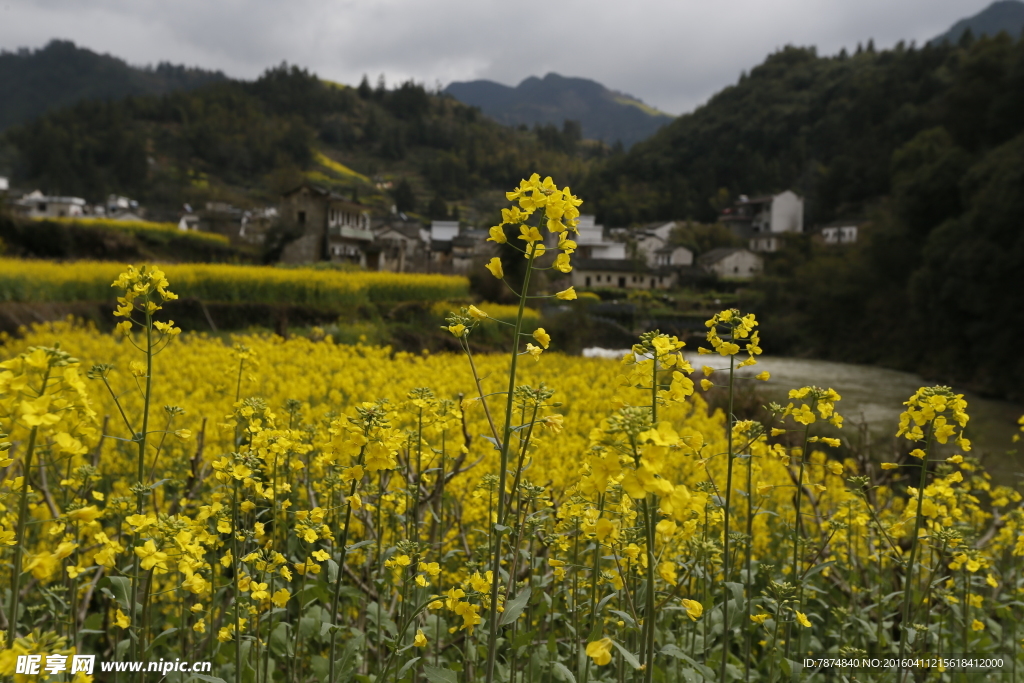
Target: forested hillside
[[249, 140], [37, 81], [928, 144], [826, 127]]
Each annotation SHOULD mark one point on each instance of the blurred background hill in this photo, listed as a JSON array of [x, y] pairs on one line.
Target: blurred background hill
[[605, 115], [36, 81]]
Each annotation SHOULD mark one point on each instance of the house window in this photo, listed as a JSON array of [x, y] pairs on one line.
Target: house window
[[622, 281], [302, 218], [588, 281]]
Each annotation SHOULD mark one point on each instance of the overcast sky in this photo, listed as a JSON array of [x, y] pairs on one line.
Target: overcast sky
[[672, 54]]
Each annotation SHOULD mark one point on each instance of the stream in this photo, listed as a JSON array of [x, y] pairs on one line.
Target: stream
[[875, 396]]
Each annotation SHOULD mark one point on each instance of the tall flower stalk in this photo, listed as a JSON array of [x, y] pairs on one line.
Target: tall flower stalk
[[818, 403], [144, 289], [933, 414], [725, 329], [557, 209]]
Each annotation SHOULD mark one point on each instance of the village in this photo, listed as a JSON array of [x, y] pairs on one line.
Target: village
[[313, 224]]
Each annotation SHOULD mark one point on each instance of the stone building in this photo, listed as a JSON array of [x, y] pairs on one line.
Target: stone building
[[403, 245], [327, 227]]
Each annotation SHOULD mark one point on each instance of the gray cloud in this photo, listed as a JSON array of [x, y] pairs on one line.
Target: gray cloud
[[673, 54]]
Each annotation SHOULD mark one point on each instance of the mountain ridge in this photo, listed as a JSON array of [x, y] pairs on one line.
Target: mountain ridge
[[62, 73], [1002, 15], [607, 115]]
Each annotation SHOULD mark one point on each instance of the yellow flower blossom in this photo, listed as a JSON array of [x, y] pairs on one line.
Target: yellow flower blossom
[[600, 651]]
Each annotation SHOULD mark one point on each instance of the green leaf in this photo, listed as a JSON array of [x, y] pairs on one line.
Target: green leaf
[[408, 665], [156, 640], [207, 679], [737, 590], [360, 544], [817, 568], [121, 588], [522, 639], [332, 571], [280, 642], [674, 651], [627, 655], [515, 607], [562, 672], [791, 668], [436, 674], [625, 617]]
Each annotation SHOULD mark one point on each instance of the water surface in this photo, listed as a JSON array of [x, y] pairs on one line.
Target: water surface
[[875, 396]]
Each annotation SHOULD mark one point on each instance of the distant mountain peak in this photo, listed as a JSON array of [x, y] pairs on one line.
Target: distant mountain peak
[[1002, 15], [604, 114]]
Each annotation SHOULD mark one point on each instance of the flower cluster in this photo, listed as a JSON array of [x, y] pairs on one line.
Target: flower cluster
[[144, 290], [940, 411], [560, 212]]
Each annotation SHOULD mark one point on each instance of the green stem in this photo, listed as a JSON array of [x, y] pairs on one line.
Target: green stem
[[140, 493], [747, 580], [908, 581], [235, 579], [492, 618], [649, 616], [796, 528], [20, 544], [726, 631], [336, 598]]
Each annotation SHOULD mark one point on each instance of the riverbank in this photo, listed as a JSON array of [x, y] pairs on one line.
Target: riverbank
[[873, 397]]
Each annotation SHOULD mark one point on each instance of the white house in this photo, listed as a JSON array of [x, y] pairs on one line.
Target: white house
[[647, 245], [122, 208], [732, 263], [762, 220], [4, 186], [444, 231], [840, 232], [669, 256], [590, 241], [620, 274], [37, 205], [661, 229], [188, 221]]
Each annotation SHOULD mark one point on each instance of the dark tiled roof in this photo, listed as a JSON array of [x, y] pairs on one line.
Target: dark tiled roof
[[330, 196], [410, 230], [716, 255]]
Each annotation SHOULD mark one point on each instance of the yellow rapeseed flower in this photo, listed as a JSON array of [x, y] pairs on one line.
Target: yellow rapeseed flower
[[600, 651], [494, 265]]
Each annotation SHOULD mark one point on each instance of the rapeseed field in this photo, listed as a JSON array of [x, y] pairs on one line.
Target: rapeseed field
[[299, 510]]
